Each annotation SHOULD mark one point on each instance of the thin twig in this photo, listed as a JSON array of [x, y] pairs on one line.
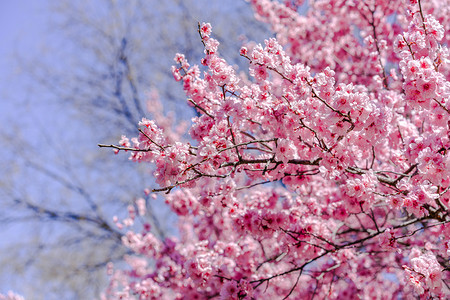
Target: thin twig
[[150, 139], [201, 108], [124, 148]]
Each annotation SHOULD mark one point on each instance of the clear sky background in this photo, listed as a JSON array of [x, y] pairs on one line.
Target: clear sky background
[[22, 31], [22, 27]]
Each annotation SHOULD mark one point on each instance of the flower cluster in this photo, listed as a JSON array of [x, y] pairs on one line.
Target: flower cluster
[[324, 172], [11, 296], [426, 272]]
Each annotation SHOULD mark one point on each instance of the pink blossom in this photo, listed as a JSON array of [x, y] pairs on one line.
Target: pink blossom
[[426, 88], [319, 175], [11, 296], [229, 291], [206, 29], [243, 51]]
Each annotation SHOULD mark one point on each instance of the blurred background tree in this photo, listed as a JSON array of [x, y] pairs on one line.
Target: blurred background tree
[[90, 80]]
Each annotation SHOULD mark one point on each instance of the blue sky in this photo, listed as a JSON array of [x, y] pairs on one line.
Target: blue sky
[[23, 33], [22, 26]]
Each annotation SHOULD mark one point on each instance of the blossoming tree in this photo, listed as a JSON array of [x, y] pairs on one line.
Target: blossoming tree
[[324, 173]]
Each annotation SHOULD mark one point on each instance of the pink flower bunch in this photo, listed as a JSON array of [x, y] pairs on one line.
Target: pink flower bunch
[[324, 172], [425, 274], [11, 296]]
